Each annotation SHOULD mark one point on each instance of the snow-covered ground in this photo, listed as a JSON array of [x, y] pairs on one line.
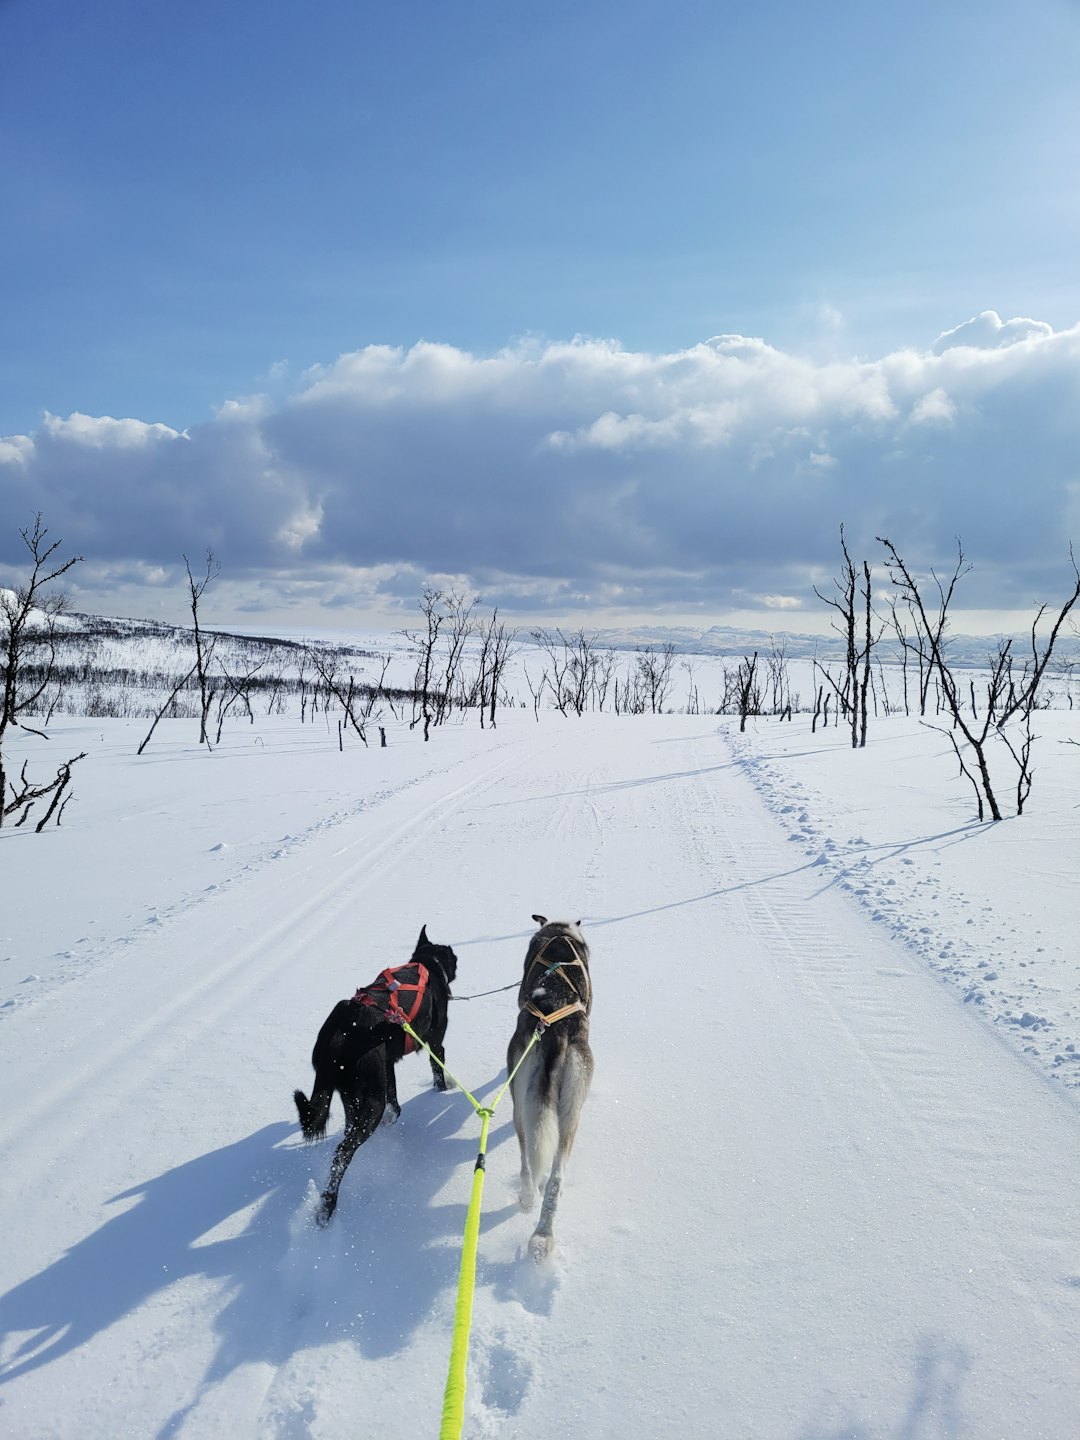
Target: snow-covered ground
[[826, 1182]]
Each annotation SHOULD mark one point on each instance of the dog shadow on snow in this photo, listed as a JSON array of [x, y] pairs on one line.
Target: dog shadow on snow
[[393, 1246], [162, 1233], [243, 1215]]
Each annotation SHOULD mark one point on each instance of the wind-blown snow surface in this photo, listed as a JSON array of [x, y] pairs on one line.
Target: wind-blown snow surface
[[826, 1181]]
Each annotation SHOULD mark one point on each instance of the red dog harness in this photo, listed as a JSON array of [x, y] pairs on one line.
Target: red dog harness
[[392, 987]]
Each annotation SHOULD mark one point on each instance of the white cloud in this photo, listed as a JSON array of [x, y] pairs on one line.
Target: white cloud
[[700, 426], [616, 432], [550, 472], [16, 450], [935, 407], [301, 527], [987, 331], [241, 409], [102, 432], [781, 602]]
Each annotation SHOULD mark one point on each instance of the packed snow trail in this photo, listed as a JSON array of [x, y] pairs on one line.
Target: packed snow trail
[[812, 1197]]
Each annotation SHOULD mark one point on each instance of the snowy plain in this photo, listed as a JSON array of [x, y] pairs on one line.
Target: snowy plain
[[826, 1182]]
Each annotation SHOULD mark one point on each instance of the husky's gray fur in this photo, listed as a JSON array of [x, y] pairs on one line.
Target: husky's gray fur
[[550, 1088]]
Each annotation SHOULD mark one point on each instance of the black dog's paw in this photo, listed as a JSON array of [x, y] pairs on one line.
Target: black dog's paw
[[390, 1114]]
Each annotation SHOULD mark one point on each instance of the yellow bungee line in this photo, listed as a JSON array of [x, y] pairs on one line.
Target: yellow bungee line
[[453, 1416]]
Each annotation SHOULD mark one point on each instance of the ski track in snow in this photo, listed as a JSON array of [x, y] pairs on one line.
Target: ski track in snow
[[812, 1196], [900, 886], [88, 953]]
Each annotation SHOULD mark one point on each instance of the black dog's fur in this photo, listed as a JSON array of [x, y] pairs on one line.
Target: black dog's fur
[[355, 1054]]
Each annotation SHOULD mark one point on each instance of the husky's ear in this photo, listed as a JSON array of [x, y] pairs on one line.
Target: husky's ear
[[540, 919], [423, 939]]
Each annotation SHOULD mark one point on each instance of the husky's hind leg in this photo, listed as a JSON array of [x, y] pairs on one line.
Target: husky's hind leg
[[573, 1087], [526, 1188], [523, 1095]]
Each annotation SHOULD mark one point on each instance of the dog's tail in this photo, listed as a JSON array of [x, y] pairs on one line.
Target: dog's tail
[[341, 1048], [553, 1101], [541, 1133], [314, 1113]]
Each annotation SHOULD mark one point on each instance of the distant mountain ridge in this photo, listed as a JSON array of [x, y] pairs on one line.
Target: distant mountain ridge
[[715, 640], [725, 640]]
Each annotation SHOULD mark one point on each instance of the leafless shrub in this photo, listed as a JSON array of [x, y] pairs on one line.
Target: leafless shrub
[[654, 665], [573, 674], [439, 648], [204, 644], [497, 645], [29, 626], [1010, 697], [856, 628]]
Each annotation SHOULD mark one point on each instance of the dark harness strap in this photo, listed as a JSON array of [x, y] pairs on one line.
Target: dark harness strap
[[582, 1002], [394, 985]]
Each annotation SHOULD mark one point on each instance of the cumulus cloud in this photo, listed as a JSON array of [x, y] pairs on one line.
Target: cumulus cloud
[[100, 432], [781, 602], [988, 331], [933, 408], [583, 475], [16, 449]]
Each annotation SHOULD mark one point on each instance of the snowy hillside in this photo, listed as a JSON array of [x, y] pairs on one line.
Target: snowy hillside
[[825, 1184]]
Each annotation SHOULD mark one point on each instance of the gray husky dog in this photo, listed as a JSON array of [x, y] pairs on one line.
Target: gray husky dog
[[550, 1088]]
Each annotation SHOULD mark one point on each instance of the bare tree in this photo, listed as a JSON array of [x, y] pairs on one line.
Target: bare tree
[[572, 668], [457, 627], [905, 650], [781, 700], [496, 648], [236, 695], [729, 691], [630, 699], [276, 688], [424, 642], [303, 681], [536, 691], [1022, 699], [856, 612], [180, 684], [438, 668], [1006, 700], [555, 669], [602, 676], [832, 688], [821, 710], [932, 626], [204, 646], [344, 691], [913, 646], [748, 689], [654, 665], [583, 650], [377, 695], [693, 699], [28, 629]]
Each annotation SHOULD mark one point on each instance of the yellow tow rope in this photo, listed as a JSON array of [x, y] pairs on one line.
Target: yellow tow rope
[[453, 1416]]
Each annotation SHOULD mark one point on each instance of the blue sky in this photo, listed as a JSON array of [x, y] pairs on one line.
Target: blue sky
[[326, 264]]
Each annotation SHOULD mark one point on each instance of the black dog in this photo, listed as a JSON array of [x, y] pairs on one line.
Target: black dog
[[360, 1043]]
